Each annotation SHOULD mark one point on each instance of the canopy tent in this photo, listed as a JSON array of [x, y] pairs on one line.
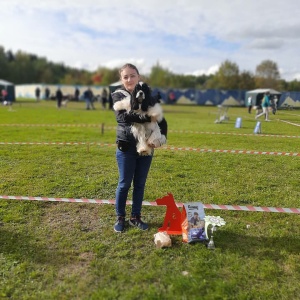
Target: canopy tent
[[112, 87], [254, 97], [9, 87]]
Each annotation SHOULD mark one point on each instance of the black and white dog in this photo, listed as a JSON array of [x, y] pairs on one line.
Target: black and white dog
[[141, 103]]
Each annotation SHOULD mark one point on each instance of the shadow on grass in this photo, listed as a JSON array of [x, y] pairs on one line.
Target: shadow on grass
[[260, 246], [24, 247], [244, 245]]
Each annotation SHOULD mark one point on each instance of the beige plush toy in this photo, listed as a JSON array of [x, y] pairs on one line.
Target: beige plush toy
[[162, 239]]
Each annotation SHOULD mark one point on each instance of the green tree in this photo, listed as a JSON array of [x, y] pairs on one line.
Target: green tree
[[21, 67], [160, 77], [294, 85], [4, 67], [247, 81], [227, 77], [267, 75], [108, 76]]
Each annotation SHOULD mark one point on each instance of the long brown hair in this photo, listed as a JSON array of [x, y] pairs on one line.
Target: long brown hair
[[128, 65]]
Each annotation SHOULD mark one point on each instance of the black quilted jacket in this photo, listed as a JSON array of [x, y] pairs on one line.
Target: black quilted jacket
[[125, 119]]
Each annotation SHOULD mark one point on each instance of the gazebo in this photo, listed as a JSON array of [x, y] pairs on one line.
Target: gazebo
[[257, 95]]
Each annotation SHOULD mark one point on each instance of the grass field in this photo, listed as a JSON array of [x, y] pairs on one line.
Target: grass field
[[51, 250]]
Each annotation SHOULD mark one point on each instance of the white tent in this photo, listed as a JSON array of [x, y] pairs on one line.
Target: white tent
[[257, 95], [5, 83]]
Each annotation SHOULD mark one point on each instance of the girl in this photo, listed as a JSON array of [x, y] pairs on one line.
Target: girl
[[133, 168]]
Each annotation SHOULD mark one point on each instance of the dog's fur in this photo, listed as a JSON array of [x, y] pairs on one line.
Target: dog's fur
[[64, 103], [145, 133]]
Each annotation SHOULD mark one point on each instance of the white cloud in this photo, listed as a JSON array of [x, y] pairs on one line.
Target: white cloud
[[184, 36], [210, 71]]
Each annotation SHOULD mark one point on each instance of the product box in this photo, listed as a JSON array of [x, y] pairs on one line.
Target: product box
[[193, 224]]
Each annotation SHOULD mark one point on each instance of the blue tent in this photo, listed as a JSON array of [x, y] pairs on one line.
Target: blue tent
[[10, 88]]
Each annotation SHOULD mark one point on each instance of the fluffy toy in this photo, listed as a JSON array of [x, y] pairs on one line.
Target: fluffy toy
[[162, 239], [143, 104]]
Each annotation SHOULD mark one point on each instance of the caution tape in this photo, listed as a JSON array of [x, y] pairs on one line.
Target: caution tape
[[166, 148], [56, 143], [171, 130], [235, 133], [56, 125], [235, 151], [153, 203]]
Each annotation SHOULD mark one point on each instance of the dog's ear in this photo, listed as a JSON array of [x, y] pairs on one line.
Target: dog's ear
[[145, 105], [136, 89], [146, 89], [147, 101], [134, 103]]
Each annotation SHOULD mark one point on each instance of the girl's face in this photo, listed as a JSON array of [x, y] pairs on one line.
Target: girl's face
[[129, 78]]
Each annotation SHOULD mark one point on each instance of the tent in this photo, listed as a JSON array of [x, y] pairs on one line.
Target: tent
[[257, 95], [112, 88], [9, 87]]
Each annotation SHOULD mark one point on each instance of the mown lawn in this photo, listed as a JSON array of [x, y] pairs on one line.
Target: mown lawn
[[51, 250]]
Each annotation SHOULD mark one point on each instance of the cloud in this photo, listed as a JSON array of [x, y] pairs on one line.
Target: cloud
[[266, 44], [184, 36]]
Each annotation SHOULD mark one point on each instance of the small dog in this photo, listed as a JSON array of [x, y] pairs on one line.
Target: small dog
[[64, 103], [140, 102]]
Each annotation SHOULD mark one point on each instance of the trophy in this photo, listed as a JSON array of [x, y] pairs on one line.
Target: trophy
[[214, 222]]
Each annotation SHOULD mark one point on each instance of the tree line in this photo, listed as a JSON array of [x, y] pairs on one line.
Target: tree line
[[26, 68]]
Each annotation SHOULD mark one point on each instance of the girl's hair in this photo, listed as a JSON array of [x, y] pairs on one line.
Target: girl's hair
[[131, 66]]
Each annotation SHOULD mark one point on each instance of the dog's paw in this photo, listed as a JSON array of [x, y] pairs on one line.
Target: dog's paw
[[145, 153], [144, 150], [158, 142], [122, 105]]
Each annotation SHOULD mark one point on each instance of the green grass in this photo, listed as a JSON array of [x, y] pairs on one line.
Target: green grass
[[69, 250]]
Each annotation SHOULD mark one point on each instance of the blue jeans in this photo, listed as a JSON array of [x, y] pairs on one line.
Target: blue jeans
[[132, 168], [89, 103]]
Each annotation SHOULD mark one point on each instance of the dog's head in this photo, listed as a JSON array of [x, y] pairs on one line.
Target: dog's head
[[141, 97]]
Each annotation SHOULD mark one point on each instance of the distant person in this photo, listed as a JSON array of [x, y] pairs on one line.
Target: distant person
[[7, 101], [76, 94], [265, 104], [4, 94], [47, 93], [89, 99], [104, 95], [171, 97], [274, 101], [249, 104], [110, 101], [37, 94], [59, 97]]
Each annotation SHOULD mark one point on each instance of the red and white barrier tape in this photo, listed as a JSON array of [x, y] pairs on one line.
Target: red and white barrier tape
[[166, 148], [57, 143], [57, 125], [171, 130], [234, 133], [153, 203], [234, 151]]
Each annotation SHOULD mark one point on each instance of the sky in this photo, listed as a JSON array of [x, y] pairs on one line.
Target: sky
[[183, 36]]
